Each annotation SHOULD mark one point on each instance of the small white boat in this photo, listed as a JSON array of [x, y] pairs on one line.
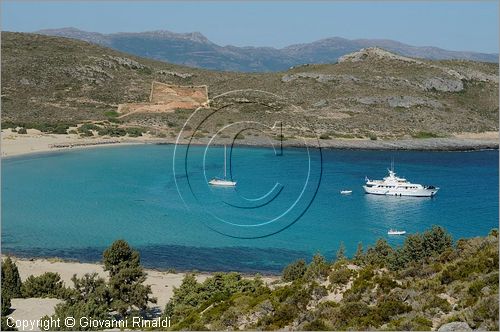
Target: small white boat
[[396, 232], [223, 182], [346, 192]]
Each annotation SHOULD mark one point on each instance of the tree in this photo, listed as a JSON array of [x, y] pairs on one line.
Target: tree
[[126, 278], [341, 252], [119, 256], [85, 301], [294, 271], [11, 281], [436, 241], [413, 248], [89, 298], [317, 269], [379, 254], [5, 305], [89, 287], [359, 256]]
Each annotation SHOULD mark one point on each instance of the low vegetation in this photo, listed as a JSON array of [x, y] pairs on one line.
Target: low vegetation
[[51, 83], [424, 284]]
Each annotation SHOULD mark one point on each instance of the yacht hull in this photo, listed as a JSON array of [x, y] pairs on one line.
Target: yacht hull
[[401, 192]]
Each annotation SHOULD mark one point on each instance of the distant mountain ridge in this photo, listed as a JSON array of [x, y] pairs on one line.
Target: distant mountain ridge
[[195, 50]]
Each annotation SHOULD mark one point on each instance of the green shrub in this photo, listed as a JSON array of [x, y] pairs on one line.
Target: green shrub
[[48, 284], [86, 133], [112, 131], [324, 136], [389, 308], [417, 323], [385, 282], [88, 126], [434, 301], [134, 131], [294, 271], [316, 325], [340, 276], [351, 310], [111, 114], [59, 128], [424, 134], [22, 130], [88, 309]]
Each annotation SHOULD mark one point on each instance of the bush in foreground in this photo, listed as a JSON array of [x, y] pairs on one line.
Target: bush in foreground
[[48, 284]]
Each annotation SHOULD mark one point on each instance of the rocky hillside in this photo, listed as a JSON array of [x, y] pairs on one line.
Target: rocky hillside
[[195, 50], [369, 93], [426, 284]]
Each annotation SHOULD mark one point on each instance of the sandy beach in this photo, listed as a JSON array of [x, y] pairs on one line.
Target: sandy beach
[[15, 144], [162, 284]]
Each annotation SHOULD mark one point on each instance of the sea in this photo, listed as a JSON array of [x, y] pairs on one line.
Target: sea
[[286, 204]]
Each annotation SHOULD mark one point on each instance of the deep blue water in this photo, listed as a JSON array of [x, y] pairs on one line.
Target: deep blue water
[[74, 204]]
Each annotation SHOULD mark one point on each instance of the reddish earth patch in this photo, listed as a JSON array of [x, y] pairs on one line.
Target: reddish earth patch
[[166, 98]]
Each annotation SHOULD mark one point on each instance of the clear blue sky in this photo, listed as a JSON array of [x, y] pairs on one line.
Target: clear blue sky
[[455, 25]]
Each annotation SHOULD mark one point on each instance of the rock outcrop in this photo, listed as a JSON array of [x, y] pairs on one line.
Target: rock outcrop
[[399, 101], [442, 84], [455, 326], [374, 53], [322, 78]]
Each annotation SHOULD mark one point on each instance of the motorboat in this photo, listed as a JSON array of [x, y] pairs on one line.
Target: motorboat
[[396, 232]]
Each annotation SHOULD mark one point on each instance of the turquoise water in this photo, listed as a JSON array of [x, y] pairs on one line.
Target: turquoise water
[[74, 204]]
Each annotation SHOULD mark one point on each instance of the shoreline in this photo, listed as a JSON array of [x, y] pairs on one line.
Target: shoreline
[[14, 145], [246, 274]]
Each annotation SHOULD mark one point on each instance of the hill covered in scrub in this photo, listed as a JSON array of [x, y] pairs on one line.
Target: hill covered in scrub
[[423, 285], [52, 83], [195, 50]]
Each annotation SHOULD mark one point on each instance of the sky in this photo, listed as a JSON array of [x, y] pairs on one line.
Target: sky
[[453, 25]]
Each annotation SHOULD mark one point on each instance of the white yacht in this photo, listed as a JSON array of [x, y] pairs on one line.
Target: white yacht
[[395, 186], [224, 182]]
